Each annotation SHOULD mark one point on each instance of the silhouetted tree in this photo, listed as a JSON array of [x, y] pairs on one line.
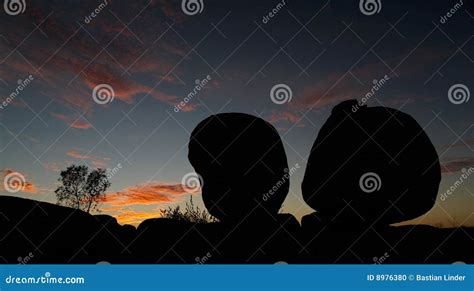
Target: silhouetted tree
[[82, 189]]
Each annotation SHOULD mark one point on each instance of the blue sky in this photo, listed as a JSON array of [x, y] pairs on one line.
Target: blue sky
[[151, 53]]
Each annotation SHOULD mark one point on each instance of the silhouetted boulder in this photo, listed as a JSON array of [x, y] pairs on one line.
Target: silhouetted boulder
[[239, 157], [328, 243], [168, 241], [371, 165], [244, 170], [245, 178], [369, 168], [263, 241], [56, 234]]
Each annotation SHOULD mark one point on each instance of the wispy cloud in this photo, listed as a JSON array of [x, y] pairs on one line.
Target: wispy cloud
[[102, 51], [72, 121], [53, 166], [277, 117], [81, 154], [124, 204], [148, 194], [461, 143], [457, 164], [340, 86], [26, 187]]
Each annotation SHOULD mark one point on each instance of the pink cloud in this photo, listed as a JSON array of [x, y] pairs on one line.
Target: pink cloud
[[457, 164], [80, 154], [71, 121]]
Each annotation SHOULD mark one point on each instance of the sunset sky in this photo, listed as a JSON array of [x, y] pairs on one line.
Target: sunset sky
[[153, 54]]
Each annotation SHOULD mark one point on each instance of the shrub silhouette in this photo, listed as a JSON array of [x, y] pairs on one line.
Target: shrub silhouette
[[191, 213], [82, 189]]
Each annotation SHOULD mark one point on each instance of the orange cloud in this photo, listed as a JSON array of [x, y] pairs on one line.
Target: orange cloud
[[30, 188], [285, 116], [122, 205], [73, 122], [124, 90], [80, 124], [457, 164], [97, 162], [17, 180], [172, 11], [326, 92], [148, 194], [52, 166], [70, 73], [464, 143]]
